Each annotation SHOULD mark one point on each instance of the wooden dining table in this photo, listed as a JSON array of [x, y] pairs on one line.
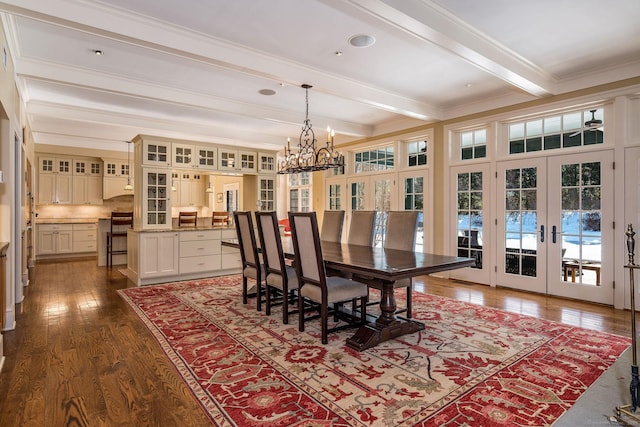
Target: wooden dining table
[[380, 268]]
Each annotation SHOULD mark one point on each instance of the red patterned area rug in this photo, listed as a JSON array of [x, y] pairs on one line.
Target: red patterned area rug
[[471, 366]]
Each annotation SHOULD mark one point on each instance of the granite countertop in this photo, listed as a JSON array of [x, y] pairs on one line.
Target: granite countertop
[[67, 220]]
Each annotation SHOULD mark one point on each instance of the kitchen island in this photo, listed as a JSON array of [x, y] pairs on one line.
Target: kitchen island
[[180, 253]]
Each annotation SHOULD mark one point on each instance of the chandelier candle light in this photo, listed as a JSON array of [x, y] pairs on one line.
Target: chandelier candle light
[[308, 158]]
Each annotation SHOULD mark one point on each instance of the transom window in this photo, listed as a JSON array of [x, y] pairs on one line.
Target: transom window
[[416, 153], [560, 131], [473, 144], [374, 160]]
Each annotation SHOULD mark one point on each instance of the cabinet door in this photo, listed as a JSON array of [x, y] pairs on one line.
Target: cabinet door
[[183, 155], [79, 189], [46, 165], [156, 153], [46, 188], [46, 242], [156, 202], [248, 161], [158, 254], [184, 189], [94, 190], [64, 242], [64, 188], [207, 158], [64, 166], [267, 193], [197, 190], [266, 163], [227, 159]]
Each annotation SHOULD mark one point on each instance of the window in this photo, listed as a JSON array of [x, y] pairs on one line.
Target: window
[[473, 145], [335, 193], [300, 192], [374, 160], [470, 221], [554, 132], [416, 153]]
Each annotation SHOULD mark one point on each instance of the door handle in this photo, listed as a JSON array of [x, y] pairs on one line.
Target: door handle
[[542, 233], [553, 234]]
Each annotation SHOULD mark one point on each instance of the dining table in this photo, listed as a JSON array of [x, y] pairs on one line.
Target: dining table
[[379, 268]]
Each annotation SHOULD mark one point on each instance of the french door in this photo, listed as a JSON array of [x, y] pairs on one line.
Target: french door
[[554, 222]]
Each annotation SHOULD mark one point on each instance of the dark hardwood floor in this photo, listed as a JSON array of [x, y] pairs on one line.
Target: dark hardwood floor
[[80, 357]]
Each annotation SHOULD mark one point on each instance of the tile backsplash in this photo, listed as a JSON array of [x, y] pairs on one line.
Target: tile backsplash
[[120, 203]]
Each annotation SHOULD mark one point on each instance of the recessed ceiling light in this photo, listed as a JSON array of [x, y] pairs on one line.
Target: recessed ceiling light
[[267, 92], [362, 40], [98, 52], [338, 53]]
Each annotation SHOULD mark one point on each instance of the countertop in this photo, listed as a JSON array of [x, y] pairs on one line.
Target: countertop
[[67, 220], [174, 229]]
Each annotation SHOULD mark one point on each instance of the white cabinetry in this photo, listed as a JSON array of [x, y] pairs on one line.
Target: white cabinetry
[[55, 180], [207, 157], [116, 173], [87, 182], [190, 189], [266, 193], [266, 163], [155, 192], [200, 251], [182, 155], [55, 239], [237, 160], [154, 152], [85, 238], [158, 254]]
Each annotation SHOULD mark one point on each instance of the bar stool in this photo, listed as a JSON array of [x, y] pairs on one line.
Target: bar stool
[[189, 219], [119, 220]]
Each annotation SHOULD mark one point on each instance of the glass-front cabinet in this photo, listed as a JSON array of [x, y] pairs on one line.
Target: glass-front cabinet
[[156, 198]]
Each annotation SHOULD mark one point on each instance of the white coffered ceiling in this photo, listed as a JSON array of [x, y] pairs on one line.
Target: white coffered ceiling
[[193, 69]]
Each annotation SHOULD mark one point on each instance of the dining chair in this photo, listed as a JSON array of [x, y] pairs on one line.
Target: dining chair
[[188, 219], [401, 235], [279, 276], [314, 284], [120, 222], [361, 228], [332, 222], [252, 268]]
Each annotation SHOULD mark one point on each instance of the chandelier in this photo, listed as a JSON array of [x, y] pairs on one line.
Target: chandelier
[[308, 158]]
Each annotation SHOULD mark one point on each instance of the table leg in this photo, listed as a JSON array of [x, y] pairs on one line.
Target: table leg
[[386, 327]]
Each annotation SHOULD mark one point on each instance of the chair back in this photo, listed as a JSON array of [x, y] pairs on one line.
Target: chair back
[[361, 228], [246, 239], [401, 230], [306, 247], [189, 219], [120, 219], [220, 218], [270, 242], [332, 226]]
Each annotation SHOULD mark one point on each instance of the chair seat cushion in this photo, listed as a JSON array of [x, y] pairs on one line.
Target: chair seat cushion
[[252, 272], [276, 281], [338, 289]]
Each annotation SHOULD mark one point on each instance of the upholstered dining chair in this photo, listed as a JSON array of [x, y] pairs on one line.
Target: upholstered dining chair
[[314, 284], [188, 219], [279, 275], [252, 268], [361, 228], [332, 226], [401, 235]]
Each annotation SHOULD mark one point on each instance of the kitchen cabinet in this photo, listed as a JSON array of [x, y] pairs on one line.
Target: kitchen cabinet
[[207, 157], [200, 251], [182, 155], [267, 163], [155, 197], [85, 238], [87, 182], [190, 189], [55, 239], [237, 160], [116, 175], [153, 152], [158, 254], [266, 193], [55, 180]]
